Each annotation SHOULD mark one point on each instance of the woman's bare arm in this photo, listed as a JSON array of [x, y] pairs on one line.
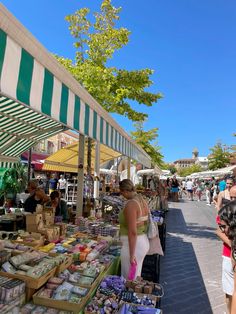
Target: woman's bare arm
[[130, 213]]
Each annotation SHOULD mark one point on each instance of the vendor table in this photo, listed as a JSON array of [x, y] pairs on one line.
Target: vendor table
[[113, 269], [11, 224]]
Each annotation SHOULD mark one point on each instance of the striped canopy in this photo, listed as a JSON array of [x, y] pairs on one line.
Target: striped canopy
[[40, 98], [21, 127]]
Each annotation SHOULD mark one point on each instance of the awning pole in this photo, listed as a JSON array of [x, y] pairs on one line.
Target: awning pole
[[117, 173], [80, 180], [128, 168], [97, 171], [29, 164]]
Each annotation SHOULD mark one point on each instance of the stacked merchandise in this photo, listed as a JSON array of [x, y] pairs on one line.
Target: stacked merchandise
[[31, 264], [111, 206], [43, 222], [30, 308], [80, 248], [73, 287], [12, 294], [114, 293], [97, 227]]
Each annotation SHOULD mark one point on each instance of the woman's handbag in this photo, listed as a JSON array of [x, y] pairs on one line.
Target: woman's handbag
[[152, 227]]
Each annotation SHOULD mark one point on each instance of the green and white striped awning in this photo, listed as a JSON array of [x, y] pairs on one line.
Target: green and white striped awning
[[7, 164], [39, 97], [21, 127]]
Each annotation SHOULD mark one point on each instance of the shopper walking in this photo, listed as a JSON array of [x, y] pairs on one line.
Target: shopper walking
[[133, 229], [62, 182], [199, 190], [224, 196], [222, 184], [53, 182], [174, 189], [189, 187]]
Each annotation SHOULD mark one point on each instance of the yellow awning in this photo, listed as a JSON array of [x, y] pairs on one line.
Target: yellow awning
[[66, 159]]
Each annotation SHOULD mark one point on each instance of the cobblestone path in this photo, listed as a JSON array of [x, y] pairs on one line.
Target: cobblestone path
[[191, 269]]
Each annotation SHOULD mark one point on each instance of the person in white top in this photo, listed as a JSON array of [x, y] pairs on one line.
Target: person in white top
[[189, 188], [62, 185]]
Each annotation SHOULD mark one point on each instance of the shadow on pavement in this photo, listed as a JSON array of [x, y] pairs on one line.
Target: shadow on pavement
[[178, 225], [180, 274]]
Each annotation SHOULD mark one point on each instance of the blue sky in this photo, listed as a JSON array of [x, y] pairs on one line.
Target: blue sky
[[191, 46]]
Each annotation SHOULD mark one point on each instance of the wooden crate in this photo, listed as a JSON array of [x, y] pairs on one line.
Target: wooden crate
[[61, 305], [64, 265], [38, 241], [34, 283]]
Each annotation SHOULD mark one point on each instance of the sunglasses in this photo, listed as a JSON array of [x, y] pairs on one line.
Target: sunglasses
[[222, 227]]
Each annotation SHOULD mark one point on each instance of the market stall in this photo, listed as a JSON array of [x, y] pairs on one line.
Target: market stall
[[61, 265], [75, 270], [39, 98]]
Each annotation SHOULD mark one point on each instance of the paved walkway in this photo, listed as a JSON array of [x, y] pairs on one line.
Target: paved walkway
[[191, 269]]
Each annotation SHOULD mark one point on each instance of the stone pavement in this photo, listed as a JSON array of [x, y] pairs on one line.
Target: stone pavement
[[190, 271]]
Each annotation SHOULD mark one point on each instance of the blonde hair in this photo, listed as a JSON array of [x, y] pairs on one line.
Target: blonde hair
[[127, 185]]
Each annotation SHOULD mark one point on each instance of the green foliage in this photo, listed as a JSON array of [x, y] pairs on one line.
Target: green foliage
[[183, 172], [220, 157], [144, 139], [172, 169], [14, 180], [165, 166], [96, 42]]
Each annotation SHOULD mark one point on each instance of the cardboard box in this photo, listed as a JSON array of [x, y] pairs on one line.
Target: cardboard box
[[48, 218], [34, 222], [32, 239], [52, 233], [63, 228]]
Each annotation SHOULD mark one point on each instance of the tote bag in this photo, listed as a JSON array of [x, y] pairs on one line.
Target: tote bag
[[152, 227]]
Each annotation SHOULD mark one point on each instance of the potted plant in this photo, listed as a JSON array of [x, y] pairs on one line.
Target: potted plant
[[12, 181]]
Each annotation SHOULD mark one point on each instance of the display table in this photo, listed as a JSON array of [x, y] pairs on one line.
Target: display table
[[11, 224]]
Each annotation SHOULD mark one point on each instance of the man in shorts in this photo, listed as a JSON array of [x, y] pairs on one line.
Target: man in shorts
[[189, 187]]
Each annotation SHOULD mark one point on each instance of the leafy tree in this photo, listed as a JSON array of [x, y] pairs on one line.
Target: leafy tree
[[147, 140], [220, 157], [96, 42], [183, 172], [172, 169]]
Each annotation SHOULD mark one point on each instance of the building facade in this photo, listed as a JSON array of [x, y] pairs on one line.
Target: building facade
[[195, 160]]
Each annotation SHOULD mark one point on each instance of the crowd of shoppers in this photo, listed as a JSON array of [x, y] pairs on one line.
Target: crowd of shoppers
[[197, 189]]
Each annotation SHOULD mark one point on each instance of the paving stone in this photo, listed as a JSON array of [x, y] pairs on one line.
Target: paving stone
[[190, 271]]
